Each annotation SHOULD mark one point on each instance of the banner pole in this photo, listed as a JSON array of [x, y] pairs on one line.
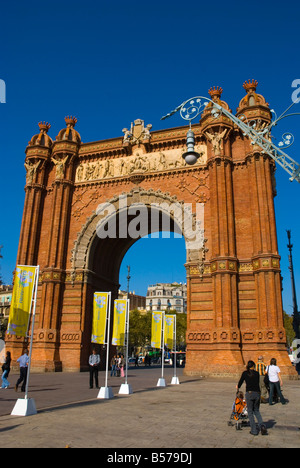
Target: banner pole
[[127, 339], [175, 365], [161, 381], [163, 346], [106, 392], [32, 330], [108, 339], [26, 406], [175, 380], [126, 389]]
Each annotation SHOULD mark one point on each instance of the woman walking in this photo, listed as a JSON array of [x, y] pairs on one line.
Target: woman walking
[[251, 378], [122, 365], [6, 371], [275, 381]]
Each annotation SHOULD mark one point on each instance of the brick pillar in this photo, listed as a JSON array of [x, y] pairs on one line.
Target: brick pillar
[[269, 339], [54, 274], [214, 342], [226, 354], [37, 157]]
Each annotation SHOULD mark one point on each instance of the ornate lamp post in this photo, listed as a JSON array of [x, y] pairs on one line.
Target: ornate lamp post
[[192, 108], [296, 321], [128, 281]]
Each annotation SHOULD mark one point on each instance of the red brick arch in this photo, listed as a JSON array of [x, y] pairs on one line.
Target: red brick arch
[[233, 279]]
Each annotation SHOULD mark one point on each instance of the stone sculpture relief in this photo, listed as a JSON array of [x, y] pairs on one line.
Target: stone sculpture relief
[[60, 166], [139, 163], [31, 171], [217, 141]]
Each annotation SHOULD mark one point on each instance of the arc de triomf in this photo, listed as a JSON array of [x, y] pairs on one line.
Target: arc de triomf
[[234, 283]]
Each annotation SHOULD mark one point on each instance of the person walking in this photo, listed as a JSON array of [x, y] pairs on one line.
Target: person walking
[[113, 365], [6, 371], [261, 369], [23, 362], [275, 381], [94, 362], [251, 378], [122, 365]]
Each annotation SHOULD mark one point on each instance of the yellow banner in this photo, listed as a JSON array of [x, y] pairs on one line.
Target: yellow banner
[[21, 301], [169, 330], [99, 317], [156, 330], [120, 310]]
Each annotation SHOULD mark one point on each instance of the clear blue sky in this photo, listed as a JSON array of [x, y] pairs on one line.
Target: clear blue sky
[[109, 62]]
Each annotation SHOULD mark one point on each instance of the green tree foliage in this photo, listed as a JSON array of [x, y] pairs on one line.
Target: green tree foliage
[[288, 325], [140, 329], [3, 327], [181, 320]]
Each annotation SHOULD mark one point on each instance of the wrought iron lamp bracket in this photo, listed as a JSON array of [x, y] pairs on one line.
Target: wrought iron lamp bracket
[[192, 108]]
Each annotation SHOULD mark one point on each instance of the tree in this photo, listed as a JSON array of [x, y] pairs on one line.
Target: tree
[[288, 325], [140, 329], [3, 327]]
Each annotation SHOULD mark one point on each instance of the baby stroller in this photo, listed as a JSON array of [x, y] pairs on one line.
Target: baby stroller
[[239, 415]]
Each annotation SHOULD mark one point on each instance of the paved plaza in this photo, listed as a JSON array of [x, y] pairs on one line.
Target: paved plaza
[[193, 414]]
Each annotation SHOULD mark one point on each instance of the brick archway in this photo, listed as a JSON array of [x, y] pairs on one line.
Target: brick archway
[[99, 259], [233, 278], [173, 216]]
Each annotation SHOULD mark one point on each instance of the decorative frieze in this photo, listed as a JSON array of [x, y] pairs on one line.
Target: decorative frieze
[[137, 164]]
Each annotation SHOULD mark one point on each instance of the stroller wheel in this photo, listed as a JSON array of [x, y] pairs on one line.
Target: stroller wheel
[[238, 426]]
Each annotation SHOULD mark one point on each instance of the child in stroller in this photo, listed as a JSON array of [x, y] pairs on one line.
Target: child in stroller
[[239, 412]]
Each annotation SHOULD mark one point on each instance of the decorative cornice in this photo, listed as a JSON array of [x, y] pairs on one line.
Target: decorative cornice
[[232, 265]]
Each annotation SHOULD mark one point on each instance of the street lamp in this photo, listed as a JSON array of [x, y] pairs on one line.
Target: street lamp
[[191, 156], [192, 108], [295, 305], [128, 281]]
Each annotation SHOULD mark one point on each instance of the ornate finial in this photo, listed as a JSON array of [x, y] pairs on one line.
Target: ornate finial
[[44, 126], [42, 139], [215, 92], [69, 133], [137, 134], [250, 85], [71, 121]]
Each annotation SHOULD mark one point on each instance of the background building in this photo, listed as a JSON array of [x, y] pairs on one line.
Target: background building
[[5, 300], [167, 296], [136, 302]]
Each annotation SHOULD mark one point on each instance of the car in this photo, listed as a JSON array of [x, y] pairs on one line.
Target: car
[[292, 359]]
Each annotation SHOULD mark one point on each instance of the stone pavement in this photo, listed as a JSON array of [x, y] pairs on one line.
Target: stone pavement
[[192, 415]]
